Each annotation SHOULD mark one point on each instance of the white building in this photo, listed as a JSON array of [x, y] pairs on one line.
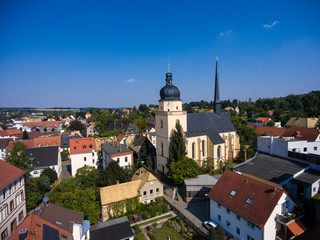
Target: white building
[[44, 157], [251, 208], [12, 198], [82, 153], [280, 146], [116, 152]]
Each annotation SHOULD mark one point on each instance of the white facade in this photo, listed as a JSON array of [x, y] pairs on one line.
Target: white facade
[[79, 160], [124, 160], [242, 229], [280, 146], [12, 206]]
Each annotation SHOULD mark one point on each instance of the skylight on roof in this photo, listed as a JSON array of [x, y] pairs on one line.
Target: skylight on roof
[[249, 201], [233, 193]]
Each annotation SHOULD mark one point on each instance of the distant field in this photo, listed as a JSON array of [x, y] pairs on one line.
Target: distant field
[[55, 109]]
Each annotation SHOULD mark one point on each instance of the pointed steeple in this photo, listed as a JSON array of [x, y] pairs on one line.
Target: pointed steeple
[[216, 91]]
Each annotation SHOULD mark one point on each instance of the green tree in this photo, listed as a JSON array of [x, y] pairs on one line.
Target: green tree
[[25, 135], [43, 184], [142, 124], [33, 194], [51, 174], [183, 169], [17, 158], [270, 123], [87, 176], [76, 126], [177, 148], [64, 154], [217, 233]]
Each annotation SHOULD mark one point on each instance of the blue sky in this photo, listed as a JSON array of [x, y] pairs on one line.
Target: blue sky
[[115, 53]]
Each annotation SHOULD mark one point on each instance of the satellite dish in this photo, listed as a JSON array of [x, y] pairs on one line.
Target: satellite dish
[[45, 199]]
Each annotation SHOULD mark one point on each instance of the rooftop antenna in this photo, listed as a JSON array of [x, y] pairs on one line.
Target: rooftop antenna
[[45, 200]]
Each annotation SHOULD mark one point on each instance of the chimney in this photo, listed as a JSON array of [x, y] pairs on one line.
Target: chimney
[[139, 171], [117, 181]]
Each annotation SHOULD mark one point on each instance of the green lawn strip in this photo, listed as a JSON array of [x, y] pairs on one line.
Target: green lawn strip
[[165, 232], [140, 236], [154, 220], [317, 196]]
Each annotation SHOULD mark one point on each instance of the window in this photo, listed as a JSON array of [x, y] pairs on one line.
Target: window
[[251, 225], [145, 193], [4, 194], [219, 205], [314, 189], [118, 160], [3, 213], [203, 148], [74, 148], [4, 234], [249, 201], [249, 237], [157, 190], [20, 216], [177, 107], [228, 210], [151, 191], [85, 158], [93, 154], [19, 198], [219, 218], [238, 231], [35, 172], [90, 146], [161, 149], [93, 161], [238, 217], [11, 206], [227, 224], [219, 153], [84, 147], [293, 150], [233, 193], [193, 148], [161, 123], [126, 159], [315, 148], [305, 149]]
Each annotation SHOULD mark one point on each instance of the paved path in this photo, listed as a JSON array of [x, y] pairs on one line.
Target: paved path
[[66, 169]]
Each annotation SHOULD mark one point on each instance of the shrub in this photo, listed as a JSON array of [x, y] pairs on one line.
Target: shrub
[[164, 208], [137, 229], [148, 228]]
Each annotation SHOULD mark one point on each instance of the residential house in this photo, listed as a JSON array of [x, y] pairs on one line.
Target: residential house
[[209, 135], [65, 141], [116, 152], [47, 141], [251, 208], [87, 115], [143, 185], [82, 153], [128, 128], [9, 133], [195, 189], [116, 229], [42, 126], [4, 147], [302, 122], [258, 121], [12, 198], [28, 142], [44, 157], [91, 130], [34, 227], [292, 174], [68, 220]]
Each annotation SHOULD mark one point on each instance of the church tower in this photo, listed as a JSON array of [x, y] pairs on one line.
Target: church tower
[[216, 91], [170, 110]]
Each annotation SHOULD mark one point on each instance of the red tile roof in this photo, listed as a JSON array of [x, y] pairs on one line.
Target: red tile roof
[[9, 174], [34, 226], [297, 228], [309, 134], [47, 141], [29, 143], [263, 120], [82, 145], [265, 197], [9, 132], [41, 124]]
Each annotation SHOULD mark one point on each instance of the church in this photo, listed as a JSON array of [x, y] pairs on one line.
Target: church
[[209, 136]]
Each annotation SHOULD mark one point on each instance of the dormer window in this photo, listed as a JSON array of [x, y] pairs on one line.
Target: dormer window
[[90, 146], [74, 148], [249, 201], [233, 193], [84, 147]]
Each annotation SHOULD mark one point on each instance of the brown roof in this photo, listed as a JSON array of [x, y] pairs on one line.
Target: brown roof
[[9, 132], [35, 226], [47, 141], [302, 122], [263, 120], [309, 134], [9, 174], [143, 175], [265, 197], [53, 213], [41, 124], [82, 145]]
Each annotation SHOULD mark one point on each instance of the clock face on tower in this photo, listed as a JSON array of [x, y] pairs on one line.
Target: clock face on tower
[[168, 104]]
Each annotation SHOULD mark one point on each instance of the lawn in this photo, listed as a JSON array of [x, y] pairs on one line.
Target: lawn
[[165, 232], [154, 220], [140, 236], [317, 196]]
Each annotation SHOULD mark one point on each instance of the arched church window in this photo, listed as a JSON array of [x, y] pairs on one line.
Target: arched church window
[[219, 153], [161, 123], [203, 153], [193, 148], [161, 149]]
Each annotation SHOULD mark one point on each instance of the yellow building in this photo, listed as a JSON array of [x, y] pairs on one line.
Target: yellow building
[[208, 135]]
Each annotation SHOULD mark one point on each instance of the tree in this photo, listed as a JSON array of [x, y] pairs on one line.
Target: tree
[[87, 176], [217, 233], [76, 126], [270, 123], [17, 158], [177, 148], [51, 174], [64, 154], [142, 124], [183, 169], [25, 135]]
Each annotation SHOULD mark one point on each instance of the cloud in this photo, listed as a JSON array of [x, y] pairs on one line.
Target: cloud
[[227, 33], [268, 26], [131, 80]]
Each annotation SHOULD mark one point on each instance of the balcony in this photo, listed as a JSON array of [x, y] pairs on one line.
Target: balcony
[[290, 225]]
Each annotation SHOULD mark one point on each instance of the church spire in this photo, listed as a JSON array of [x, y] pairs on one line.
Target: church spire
[[216, 91]]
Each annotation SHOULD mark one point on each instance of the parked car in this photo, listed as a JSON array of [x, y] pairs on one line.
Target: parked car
[[209, 224]]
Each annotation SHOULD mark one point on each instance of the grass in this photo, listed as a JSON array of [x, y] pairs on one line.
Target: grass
[[317, 196], [154, 220], [140, 236], [165, 232]]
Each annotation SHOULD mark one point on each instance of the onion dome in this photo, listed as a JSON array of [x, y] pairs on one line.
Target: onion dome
[[169, 91]]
